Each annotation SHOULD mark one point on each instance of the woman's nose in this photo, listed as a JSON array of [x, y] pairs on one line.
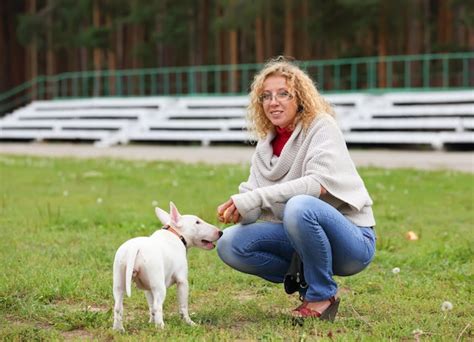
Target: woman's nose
[[274, 101]]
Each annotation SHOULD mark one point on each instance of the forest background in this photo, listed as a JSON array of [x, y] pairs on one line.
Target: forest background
[[47, 37]]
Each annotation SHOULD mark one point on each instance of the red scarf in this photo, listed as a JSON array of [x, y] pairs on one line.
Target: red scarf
[[282, 136]]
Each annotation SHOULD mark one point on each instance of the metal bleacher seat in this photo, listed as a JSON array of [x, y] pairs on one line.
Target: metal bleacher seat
[[94, 119], [203, 119], [415, 118]]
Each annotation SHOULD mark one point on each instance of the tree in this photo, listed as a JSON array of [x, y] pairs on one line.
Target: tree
[[70, 35], [289, 19]]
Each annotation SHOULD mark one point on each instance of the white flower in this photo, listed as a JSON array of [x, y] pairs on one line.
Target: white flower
[[417, 332], [99, 200], [154, 203], [65, 193], [395, 270], [446, 306], [175, 183]]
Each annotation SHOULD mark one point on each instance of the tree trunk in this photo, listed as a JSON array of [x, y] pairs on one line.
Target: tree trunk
[[460, 31], [259, 48], [204, 44], [193, 50], [268, 29], [220, 39], [470, 36], [413, 27], [159, 44], [382, 45], [83, 52], [305, 46], [427, 26], [288, 50], [234, 59], [50, 60], [119, 47], [32, 53], [97, 52], [445, 19], [4, 61], [96, 21], [204, 33], [470, 42], [138, 36], [111, 55]]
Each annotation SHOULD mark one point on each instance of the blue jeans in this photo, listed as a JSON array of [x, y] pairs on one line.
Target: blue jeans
[[327, 242]]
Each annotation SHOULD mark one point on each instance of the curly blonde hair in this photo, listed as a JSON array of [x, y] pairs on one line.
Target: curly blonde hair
[[309, 100]]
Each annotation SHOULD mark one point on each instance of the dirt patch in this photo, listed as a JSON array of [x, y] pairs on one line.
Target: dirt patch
[[78, 334]]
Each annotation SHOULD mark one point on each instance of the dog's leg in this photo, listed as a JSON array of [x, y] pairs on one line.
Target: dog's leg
[[159, 294], [118, 307], [149, 299], [183, 290], [119, 288]]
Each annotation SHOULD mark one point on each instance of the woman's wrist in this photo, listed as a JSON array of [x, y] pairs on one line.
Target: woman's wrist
[[246, 202]]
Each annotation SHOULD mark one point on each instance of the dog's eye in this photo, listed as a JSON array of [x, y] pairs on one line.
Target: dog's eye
[[198, 222]]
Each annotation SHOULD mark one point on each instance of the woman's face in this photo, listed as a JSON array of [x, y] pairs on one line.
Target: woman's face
[[279, 104]]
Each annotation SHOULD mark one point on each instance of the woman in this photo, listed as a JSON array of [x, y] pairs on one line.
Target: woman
[[303, 188]]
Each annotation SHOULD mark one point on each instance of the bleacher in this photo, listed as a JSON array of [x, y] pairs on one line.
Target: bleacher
[[436, 119]]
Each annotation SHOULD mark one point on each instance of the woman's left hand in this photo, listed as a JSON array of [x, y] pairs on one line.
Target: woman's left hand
[[227, 212]]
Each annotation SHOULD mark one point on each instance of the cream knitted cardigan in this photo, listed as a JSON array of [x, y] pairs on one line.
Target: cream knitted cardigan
[[310, 158]]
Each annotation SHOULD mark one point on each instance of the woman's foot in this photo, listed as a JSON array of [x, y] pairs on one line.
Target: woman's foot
[[324, 310]]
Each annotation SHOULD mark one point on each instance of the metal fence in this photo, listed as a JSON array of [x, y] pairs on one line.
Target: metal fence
[[365, 74]]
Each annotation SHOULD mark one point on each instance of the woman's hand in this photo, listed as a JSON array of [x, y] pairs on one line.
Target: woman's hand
[[227, 212]]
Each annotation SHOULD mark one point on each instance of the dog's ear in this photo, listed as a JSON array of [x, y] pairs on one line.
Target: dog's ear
[[162, 215], [175, 216]]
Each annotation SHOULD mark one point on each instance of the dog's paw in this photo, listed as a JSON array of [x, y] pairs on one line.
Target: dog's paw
[[160, 325], [190, 322]]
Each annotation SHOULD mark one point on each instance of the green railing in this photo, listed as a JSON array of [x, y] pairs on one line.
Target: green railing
[[366, 74]]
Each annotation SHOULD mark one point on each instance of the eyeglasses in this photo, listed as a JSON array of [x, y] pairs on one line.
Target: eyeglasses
[[281, 96]]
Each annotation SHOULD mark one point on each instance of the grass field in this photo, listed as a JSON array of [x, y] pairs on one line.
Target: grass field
[[61, 221]]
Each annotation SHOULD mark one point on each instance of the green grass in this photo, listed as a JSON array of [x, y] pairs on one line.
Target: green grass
[[57, 244]]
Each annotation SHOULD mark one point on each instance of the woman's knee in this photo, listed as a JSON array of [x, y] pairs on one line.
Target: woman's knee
[[232, 248], [349, 267], [301, 208], [225, 244], [300, 204]]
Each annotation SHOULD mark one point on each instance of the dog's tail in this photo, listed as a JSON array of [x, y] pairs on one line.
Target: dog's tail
[[131, 256]]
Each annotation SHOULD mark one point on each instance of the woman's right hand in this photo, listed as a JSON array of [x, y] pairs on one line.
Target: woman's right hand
[[227, 212]]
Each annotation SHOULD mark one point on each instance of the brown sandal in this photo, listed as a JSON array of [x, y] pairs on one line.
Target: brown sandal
[[303, 311]]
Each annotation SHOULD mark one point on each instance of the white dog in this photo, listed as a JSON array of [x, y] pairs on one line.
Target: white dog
[[159, 261]]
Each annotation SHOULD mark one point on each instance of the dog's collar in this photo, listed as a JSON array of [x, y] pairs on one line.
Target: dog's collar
[[172, 230]]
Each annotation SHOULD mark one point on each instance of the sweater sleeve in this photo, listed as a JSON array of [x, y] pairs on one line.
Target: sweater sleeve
[[248, 214], [267, 197]]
